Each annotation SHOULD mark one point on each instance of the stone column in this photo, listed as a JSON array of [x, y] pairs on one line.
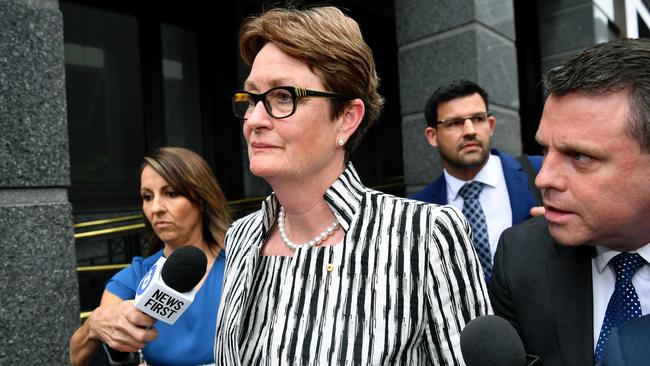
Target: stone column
[[38, 285], [442, 40], [566, 27]]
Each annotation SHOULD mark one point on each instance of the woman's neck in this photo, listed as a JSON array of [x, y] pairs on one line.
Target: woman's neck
[[306, 212], [306, 216], [296, 191]]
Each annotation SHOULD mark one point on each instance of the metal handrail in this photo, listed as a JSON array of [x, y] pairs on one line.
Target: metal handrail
[[102, 267], [107, 221], [113, 230], [246, 200]]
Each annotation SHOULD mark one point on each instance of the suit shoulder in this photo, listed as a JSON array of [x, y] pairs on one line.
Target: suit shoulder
[[240, 231], [432, 192], [536, 225], [246, 221], [412, 206], [407, 202], [529, 236], [634, 328]]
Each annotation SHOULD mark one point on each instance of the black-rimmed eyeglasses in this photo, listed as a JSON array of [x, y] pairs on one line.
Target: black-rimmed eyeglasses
[[456, 123], [279, 102]]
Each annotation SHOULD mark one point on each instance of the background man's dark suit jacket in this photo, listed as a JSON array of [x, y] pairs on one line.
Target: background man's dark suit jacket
[[521, 199], [629, 345], [545, 291]]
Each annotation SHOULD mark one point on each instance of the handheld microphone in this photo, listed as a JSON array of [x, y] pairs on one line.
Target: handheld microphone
[[168, 289], [164, 293], [491, 340]]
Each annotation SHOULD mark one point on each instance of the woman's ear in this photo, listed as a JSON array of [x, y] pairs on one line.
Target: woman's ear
[[351, 119]]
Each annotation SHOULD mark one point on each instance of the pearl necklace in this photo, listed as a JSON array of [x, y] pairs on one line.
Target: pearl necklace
[[312, 243]]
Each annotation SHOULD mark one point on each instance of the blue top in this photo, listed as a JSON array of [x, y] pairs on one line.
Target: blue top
[[189, 340]]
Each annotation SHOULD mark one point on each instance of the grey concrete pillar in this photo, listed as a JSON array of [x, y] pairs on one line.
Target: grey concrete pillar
[[567, 26], [38, 283], [442, 40]]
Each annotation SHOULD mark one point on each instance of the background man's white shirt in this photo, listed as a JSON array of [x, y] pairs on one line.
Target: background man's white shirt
[[494, 198]]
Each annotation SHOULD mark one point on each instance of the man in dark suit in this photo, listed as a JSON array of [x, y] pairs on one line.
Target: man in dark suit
[[565, 280], [629, 345], [460, 127]]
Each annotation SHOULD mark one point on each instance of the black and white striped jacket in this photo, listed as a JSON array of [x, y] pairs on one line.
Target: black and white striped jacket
[[405, 281]]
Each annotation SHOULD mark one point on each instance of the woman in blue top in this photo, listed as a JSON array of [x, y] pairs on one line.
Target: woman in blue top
[[183, 205]]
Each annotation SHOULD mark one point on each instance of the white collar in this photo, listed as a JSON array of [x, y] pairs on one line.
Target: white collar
[[604, 255], [488, 175]]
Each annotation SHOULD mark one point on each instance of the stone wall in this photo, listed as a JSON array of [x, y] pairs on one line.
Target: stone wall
[[440, 41], [38, 286]]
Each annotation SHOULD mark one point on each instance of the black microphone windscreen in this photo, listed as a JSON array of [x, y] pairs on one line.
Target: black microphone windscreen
[[184, 268], [491, 340]]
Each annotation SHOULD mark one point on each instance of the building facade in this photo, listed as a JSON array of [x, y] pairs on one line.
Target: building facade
[[88, 87]]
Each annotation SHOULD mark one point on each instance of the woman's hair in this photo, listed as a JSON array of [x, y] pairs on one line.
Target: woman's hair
[[191, 177], [331, 44]]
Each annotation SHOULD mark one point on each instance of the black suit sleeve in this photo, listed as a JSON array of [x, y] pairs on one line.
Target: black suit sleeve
[[544, 290], [499, 290]]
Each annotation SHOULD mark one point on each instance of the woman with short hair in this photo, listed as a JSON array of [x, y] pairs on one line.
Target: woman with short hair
[[330, 272]]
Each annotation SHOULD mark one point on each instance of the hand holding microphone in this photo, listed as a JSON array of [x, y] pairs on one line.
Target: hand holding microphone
[[123, 327], [164, 293]]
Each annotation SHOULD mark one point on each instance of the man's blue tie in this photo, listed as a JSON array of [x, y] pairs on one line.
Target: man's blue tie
[[624, 303], [474, 213]]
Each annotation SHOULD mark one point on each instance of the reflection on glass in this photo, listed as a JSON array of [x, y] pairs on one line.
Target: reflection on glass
[[181, 88], [104, 98]]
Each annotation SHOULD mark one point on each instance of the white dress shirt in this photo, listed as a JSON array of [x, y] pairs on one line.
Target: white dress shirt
[[494, 198], [604, 280]]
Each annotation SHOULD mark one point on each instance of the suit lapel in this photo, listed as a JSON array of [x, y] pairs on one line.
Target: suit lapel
[[439, 191], [570, 286], [517, 184], [238, 290]]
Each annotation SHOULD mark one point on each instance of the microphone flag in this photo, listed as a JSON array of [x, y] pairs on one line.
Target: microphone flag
[[154, 298]]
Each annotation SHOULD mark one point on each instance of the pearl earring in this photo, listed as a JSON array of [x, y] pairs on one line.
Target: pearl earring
[[340, 142]]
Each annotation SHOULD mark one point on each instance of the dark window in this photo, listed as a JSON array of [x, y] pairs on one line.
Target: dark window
[[105, 106], [132, 84], [142, 76], [181, 87]]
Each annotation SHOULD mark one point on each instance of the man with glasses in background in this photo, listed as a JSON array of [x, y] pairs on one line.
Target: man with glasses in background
[[493, 189]]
